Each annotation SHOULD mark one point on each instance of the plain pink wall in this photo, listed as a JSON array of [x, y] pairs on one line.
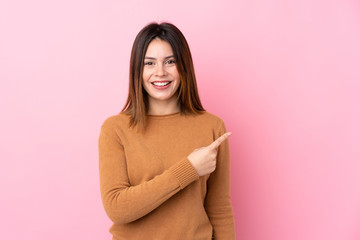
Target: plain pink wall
[[284, 75]]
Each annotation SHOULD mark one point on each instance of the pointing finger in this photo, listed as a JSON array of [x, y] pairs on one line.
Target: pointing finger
[[218, 141]]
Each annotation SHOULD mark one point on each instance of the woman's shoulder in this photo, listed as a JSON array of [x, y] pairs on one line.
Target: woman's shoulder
[[116, 121], [210, 118]]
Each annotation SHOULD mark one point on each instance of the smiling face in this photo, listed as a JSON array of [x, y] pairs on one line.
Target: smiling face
[[161, 78]]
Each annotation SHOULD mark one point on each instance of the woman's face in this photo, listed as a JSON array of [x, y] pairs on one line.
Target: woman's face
[[160, 76]]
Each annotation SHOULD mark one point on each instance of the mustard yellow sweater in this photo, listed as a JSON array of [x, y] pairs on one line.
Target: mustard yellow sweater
[[149, 188]]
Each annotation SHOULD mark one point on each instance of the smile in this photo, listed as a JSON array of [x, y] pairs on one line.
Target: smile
[[160, 84]]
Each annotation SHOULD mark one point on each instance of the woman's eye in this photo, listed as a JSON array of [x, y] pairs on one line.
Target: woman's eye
[[171, 61], [148, 63]]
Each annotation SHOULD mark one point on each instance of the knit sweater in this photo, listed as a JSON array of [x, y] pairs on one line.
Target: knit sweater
[[149, 188]]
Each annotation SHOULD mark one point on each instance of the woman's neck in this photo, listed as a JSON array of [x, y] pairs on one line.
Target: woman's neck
[[159, 107]]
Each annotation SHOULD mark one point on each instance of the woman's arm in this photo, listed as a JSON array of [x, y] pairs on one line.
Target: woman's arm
[[124, 203], [217, 202]]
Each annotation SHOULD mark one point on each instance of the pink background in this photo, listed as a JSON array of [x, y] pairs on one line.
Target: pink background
[[284, 76]]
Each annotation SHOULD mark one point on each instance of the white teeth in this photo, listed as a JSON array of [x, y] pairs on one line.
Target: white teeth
[[160, 83]]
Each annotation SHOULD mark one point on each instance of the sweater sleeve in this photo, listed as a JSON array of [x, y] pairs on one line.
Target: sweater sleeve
[[124, 203], [217, 202]]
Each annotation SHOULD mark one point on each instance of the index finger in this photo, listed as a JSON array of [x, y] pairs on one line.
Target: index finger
[[218, 141]]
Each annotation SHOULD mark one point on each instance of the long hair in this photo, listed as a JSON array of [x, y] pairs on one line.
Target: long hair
[[137, 103]]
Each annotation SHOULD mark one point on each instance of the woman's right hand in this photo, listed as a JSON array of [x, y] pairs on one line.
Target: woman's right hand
[[204, 159]]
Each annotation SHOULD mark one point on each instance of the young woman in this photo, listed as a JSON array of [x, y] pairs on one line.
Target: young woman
[[164, 160]]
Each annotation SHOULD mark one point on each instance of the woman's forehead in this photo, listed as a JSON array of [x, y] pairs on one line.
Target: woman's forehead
[[158, 49]]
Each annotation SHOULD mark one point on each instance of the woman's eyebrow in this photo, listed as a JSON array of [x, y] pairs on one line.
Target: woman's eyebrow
[[152, 58]]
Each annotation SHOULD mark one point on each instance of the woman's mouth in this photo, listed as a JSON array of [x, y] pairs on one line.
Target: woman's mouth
[[161, 85]]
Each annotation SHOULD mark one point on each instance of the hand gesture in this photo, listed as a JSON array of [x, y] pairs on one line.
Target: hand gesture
[[204, 159]]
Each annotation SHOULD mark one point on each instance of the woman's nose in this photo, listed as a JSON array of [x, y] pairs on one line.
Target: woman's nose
[[160, 70]]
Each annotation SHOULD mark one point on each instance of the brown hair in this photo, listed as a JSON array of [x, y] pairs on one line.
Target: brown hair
[[187, 95]]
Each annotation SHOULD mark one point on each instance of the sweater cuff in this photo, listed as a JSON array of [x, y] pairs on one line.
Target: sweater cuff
[[184, 172]]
